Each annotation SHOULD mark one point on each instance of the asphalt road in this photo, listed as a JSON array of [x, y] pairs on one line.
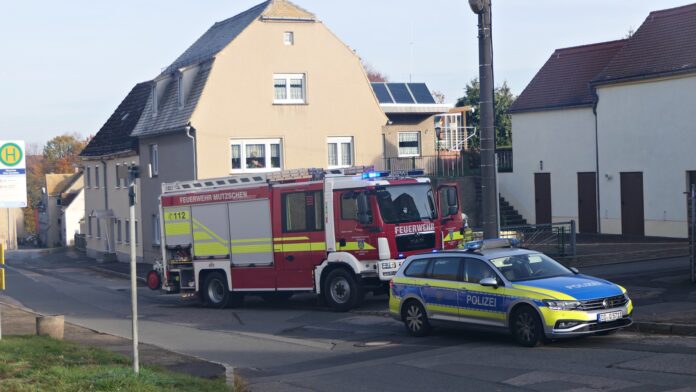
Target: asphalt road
[[301, 346]]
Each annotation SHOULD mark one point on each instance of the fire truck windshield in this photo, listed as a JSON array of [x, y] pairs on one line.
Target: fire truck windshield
[[406, 203]]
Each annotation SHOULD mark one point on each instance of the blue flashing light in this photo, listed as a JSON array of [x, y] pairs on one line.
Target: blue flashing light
[[434, 250], [401, 255], [474, 245], [375, 174], [416, 173]]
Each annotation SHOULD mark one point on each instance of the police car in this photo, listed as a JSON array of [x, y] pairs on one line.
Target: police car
[[494, 284]]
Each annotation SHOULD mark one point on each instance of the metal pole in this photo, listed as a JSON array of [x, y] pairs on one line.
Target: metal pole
[[693, 234], [573, 244], [134, 284], [488, 174]]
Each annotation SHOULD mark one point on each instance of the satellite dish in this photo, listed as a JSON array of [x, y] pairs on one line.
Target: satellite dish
[[477, 6]]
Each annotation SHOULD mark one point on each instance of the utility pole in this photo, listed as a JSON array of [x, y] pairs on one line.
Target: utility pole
[[489, 189], [133, 174]]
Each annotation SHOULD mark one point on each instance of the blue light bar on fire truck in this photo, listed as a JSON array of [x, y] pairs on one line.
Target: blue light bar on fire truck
[[375, 174]]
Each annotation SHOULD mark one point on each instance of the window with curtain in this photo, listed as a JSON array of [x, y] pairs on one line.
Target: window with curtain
[[289, 88], [409, 144], [255, 155], [340, 151]]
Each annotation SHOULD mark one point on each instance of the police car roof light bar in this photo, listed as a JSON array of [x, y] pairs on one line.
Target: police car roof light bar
[[375, 174], [494, 243]]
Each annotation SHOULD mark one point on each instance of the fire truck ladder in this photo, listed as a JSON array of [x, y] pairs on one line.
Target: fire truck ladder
[[312, 174]]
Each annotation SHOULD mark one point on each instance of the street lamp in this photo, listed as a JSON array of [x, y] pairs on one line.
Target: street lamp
[[489, 189]]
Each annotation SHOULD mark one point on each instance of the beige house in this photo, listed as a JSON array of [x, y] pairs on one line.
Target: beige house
[[106, 211], [59, 189], [11, 227], [271, 88]]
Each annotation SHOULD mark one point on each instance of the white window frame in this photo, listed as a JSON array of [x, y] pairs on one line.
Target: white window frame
[[96, 177], [338, 140], [156, 232], [88, 174], [287, 100], [242, 143], [289, 38], [153, 166], [116, 177], [398, 137]]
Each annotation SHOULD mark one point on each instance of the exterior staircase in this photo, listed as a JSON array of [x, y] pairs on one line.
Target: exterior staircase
[[509, 215]]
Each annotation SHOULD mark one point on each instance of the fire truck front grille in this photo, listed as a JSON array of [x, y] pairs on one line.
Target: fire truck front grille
[[411, 242]]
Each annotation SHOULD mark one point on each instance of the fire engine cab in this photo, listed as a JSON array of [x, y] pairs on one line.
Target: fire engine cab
[[337, 233]]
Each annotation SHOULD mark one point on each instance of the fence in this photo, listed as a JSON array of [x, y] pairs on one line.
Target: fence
[[81, 242], [504, 155], [554, 239], [458, 165]]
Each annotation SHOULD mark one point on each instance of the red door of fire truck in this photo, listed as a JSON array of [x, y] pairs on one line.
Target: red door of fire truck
[[450, 215], [298, 233], [351, 235]]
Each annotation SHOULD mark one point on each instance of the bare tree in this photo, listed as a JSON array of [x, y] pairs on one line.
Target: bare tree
[[438, 96], [373, 75]]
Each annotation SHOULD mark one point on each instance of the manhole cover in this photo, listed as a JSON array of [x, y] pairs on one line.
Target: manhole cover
[[379, 343]]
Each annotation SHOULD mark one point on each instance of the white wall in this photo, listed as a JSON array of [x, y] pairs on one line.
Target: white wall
[[565, 141], [72, 215], [648, 127]]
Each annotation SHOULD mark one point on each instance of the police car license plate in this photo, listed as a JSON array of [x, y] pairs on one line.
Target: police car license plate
[[610, 316]]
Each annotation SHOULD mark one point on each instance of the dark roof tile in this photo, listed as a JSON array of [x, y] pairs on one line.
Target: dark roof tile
[[114, 136], [564, 81], [664, 44]]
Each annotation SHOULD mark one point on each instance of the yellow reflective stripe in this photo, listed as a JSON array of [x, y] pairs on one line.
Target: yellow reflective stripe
[[179, 228], [443, 309], [242, 249], [317, 246], [354, 246], [2, 279], [537, 293], [281, 239], [201, 226], [245, 240], [201, 236], [277, 248], [210, 249], [482, 313]]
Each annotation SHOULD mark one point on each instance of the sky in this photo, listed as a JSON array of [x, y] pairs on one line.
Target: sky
[[66, 65]]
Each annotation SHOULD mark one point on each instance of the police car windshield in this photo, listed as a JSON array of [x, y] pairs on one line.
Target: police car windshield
[[406, 203], [517, 268]]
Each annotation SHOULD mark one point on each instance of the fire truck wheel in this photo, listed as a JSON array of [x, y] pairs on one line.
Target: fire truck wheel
[[215, 291], [341, 290], [153, 280]]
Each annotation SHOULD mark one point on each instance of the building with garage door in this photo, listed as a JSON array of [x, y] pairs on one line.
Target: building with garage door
[[604, 133]]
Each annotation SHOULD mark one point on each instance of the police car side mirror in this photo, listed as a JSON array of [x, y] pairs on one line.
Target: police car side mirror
[[489, 282], [575, 270]]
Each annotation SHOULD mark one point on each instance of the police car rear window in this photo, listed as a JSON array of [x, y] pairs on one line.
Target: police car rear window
[[417, 268]]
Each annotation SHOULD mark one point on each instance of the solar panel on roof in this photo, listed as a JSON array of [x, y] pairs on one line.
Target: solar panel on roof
[[421, 93], [382, 93], [400, 93]]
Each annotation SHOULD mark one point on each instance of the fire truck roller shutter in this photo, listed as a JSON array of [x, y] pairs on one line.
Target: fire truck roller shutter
[[211, 231], [250, 232], [177, 226]]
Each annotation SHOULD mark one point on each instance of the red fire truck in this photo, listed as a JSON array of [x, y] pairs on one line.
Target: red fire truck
[[337, 233]]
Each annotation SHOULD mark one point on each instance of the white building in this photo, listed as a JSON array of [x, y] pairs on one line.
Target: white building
[[61, 194], [623, 109]]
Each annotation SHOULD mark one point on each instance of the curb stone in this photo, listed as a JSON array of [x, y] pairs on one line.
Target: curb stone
[[663, 328]]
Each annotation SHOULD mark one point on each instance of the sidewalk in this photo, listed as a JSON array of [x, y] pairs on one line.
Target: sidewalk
[[20, 321]]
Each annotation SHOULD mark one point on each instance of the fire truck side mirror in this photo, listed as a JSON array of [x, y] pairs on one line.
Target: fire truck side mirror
[[363, 209], [452, 200]]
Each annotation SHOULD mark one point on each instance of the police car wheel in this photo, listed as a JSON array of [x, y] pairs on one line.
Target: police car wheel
[[526, 327], [415, 319], [341, 290], [215, 291]]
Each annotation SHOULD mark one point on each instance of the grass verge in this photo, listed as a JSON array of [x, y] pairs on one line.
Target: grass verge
[[34, 363]]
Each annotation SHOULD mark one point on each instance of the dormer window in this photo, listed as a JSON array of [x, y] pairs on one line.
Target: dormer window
[[289, 38], [180, 89], [154, 98]]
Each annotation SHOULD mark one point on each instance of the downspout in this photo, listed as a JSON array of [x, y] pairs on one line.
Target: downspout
[[106, 204], [595, 99], [189, 128]]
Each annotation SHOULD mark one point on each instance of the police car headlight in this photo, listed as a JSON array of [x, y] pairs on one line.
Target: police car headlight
[[562, 305]]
